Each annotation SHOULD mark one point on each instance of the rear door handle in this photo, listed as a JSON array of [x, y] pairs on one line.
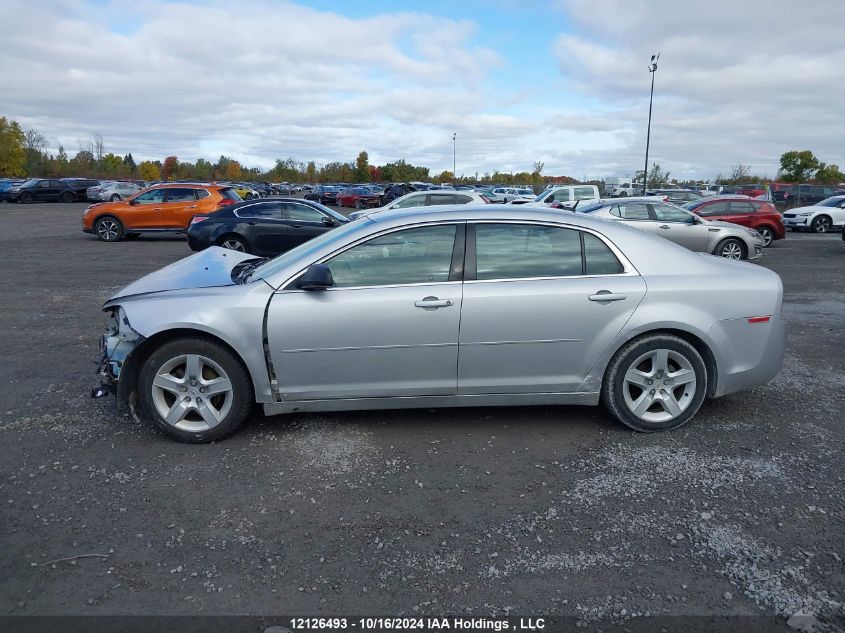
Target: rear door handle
[[434, 302], [603, 296], [663, 226]]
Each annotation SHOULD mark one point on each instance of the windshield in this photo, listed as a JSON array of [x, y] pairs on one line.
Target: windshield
[[30, 183], [835, 201], [306, 249]]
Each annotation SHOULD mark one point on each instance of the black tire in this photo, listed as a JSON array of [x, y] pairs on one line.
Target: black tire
[[624, 194], [115, 197], [821, 224], [614, 385], [108, 229], [25, 198], [359, 205], [241, 395], [729, 244], [768, 235], [229, 241], [67, 196]]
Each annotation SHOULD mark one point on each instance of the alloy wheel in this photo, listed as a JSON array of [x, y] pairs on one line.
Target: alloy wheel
[[659, 385], [767, 235], [821, 225], [108, 230], [192, 392], [233, 244], [732, 250]]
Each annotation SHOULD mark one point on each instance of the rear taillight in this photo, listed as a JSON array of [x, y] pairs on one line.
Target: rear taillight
[[761, 319], [199, 218], [225, 202]]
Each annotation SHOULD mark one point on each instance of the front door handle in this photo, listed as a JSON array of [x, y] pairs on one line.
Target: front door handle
[[605, 296], [434, 302], [663, 226], [193, 206]]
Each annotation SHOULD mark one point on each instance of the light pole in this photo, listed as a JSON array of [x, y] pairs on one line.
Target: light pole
[[454, 142], [652, 68]]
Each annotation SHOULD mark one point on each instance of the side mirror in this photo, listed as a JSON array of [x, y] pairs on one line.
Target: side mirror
[[317, 277], [133, 202], [327, 221]]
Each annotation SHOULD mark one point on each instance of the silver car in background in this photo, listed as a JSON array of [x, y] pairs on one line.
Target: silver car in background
[[680, 226], [430, 198], [112, 191], [465, 306]]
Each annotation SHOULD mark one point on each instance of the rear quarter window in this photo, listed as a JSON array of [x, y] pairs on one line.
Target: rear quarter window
[[598, 258]]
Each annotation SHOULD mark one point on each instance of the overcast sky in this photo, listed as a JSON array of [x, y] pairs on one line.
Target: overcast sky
[[564, 82]]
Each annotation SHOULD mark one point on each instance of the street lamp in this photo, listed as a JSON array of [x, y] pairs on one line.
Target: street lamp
[[652, 68], [454, 142]]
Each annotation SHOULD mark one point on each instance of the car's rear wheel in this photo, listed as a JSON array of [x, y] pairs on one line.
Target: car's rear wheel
[[730, 248], [234, 243], [655, 383], [359, 204], [767, 234], [108, 229], [195, 390], [115, 197], [821, 224], [26, 197], [67, 196]]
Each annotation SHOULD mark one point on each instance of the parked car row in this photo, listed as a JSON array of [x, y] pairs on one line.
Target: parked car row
[[47, 190]]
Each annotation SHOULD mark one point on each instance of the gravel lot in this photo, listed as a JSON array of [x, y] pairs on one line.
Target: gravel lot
[[552, 510]]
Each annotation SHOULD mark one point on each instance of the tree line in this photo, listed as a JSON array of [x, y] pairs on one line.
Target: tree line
[[24, 153]]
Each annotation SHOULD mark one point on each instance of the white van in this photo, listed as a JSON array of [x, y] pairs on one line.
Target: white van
[[568, 193]]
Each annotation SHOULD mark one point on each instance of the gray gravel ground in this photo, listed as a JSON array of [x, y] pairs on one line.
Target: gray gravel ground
[[551, 510]]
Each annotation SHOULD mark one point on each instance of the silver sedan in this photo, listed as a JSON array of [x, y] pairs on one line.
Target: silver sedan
[[462, 306], [680, 226]]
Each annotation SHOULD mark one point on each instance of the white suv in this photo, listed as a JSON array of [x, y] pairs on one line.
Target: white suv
[[819, 218]]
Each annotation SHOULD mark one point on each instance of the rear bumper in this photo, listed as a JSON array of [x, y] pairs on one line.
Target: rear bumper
[[749, 354]]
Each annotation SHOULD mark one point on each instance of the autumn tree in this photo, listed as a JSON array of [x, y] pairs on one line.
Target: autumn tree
[[537, 176], [169, 167], [149, 171], [311, 172], [129, 162], [203, 169], [362, 167], [233, 170], [798, 166], [12, 149]]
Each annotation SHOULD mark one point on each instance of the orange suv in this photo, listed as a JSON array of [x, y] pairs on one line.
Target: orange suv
[[158, 209]]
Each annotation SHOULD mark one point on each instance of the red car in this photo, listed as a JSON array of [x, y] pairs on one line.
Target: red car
[[752, 190], [755, 214], [358, 197]]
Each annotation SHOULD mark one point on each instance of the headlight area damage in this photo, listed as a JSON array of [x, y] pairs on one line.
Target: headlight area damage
[[115, 346]]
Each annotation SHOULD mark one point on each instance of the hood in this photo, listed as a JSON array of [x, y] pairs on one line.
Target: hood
[[206, 269]]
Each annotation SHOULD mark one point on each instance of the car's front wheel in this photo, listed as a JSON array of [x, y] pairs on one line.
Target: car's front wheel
[[730, 248], [108, 229], [195, 390], [655, 383], [26, 197], [821, 224]]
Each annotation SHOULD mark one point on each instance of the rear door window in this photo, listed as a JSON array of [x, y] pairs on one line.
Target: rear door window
[[666, 213], [740, 207], [181, 195], [442, 198], [516, 251], [265, 210]]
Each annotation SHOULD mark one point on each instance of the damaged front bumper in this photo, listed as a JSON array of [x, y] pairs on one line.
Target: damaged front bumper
[[115, 347]]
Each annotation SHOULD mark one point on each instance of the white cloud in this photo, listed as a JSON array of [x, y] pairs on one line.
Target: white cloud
[[738, 82]]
